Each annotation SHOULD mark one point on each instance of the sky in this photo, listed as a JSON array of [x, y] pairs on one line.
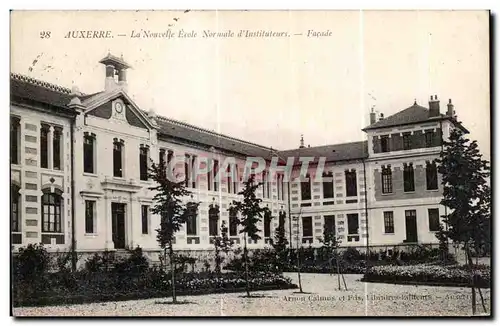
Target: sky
[[272, 90]]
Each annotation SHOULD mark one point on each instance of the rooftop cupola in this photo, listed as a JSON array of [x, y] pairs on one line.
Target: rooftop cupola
[[116, 72]]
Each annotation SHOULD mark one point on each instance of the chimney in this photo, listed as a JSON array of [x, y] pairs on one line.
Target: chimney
[[301, 141], [434, 106], [381, 117], [451, 111], [116, 73], [373, 117]]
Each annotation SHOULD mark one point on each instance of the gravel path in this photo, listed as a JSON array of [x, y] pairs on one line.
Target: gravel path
[[323, 299]]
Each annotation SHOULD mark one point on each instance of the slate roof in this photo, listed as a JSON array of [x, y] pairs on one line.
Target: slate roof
[[411, 115], [332, 153], [182, 130], [39, 91]]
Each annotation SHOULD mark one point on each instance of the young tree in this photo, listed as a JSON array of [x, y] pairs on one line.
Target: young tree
[[168, 204], [467, 195], [251, 214], [280, 243], [222, 245], [331, 244]]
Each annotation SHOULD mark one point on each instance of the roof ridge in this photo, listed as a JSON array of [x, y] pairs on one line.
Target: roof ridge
[[185, 124], [329, 145], [41, 83]]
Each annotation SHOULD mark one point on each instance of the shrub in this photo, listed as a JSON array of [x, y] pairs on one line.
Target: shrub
[[31, 263], [426, 273], [351, 255]]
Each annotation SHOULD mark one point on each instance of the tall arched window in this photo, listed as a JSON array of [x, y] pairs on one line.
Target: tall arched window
[[15, 209], [51, 212]]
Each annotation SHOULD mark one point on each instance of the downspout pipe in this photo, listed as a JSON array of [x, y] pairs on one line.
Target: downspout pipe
[[73, 198], [366, 215]]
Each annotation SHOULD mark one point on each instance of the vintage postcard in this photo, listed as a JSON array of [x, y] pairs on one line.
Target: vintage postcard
[[250, 163]]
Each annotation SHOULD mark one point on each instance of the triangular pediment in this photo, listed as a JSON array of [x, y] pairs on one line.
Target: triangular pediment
[[117, 105]]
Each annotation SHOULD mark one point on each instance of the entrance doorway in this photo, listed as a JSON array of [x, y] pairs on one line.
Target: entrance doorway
[[118, 224], [411, 226]]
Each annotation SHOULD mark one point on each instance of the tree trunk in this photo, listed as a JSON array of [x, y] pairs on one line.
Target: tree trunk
[[338, 267], [245, 255], [469, 262], [478, 289], [172, 266], [298, 269]]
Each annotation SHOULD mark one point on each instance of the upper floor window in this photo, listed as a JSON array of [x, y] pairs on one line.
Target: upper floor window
[[279, 186], [44, 146], [143, 162], [14, 140], [406, 141], [216, 175], [229, 179], [161, 156], [384, 144], [194, 172], [429, 138], [408, 177], [186, 170], [118, 158], [56, 148], [351, 184], [51, 212], [88, 153], [386, 180], [431, 176], [327, 185], [305, 188], [235, 178]]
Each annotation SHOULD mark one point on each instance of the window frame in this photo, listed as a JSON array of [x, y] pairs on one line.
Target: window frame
[[305, 188], [384, 144], [91, 218], [213, 216], [406, 141], [145, 219], [57, 211], [118, 147], [408, 178], [328, 185], [386, 179], [44, 146], [143, 163], [192, 223], [309, 227], [432, 223], [89, 149], [15, 215], [351, 188], [431, 179], [389, 222], [15, 139]]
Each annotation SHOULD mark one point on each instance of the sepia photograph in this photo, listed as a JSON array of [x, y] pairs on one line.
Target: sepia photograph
[[250, 163]]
